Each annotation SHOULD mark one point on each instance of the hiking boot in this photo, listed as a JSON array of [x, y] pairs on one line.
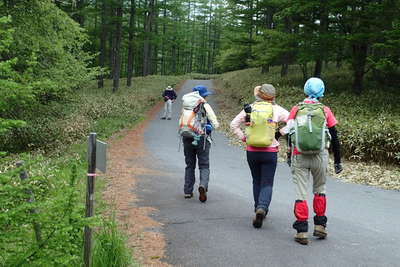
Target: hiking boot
[[169, 119], [320, 231], [188, 195], [203, 194], [301, 238], [163, 118], [258, 220]]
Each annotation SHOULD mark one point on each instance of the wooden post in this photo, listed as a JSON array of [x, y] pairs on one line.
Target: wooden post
[[89, 197], [36, 227]]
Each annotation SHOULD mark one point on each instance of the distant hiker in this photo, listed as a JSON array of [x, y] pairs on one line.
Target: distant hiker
[[169, 96], [195, 126], [261, 119], [311, 127]]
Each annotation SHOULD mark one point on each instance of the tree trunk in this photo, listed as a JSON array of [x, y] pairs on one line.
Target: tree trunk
[[111, 38], [147, 32], [103, 40], [79, 15], [264, 68], [117, 50], [359, 63], [304, 70], [130, 44], [284, 69], [164, 30], [323, 29], [285, 63], [318, 68], [154, 45]]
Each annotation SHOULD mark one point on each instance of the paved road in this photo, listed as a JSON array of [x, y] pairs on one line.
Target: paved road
[[363, 222]]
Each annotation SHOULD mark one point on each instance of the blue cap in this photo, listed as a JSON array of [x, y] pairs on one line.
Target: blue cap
[[202, 90], [314, 88]]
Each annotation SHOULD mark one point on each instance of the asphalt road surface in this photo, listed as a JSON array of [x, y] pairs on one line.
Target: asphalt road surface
[[363, 221]]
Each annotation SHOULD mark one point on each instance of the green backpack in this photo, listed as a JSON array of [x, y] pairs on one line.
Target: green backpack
[[310, 134], [261, 130]]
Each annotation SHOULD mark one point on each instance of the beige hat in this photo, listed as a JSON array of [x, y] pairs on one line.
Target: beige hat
[[265, 92]]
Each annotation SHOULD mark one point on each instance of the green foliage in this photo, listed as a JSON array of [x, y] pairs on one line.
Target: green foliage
[[363, 33], [56, 186], [42, 60], [232, 59], [58, 124], [369, 125], [14, 86], [58, 181]]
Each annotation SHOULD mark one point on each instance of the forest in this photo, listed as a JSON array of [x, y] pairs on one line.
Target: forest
[[49, 48], [69, 67]]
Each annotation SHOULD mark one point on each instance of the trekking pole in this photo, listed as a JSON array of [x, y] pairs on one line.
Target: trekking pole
[[205, 138]]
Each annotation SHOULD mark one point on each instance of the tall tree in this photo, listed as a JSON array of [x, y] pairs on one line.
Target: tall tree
[[103, 42], [117, 48], [130, 43]]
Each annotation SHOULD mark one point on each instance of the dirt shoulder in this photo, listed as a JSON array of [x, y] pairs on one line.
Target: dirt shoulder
[[125, 164], [126, 156]]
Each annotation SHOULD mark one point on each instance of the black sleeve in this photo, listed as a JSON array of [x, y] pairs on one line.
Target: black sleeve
[[335, 144], [175, 96], [277, 135], [163, 94]]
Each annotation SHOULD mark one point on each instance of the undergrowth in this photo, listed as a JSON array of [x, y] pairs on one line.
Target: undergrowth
[[56, 162], [369, 125]]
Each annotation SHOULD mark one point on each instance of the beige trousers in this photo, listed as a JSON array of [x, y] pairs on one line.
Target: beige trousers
[[303, 166]]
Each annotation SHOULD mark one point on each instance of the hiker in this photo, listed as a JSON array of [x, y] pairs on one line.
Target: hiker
[[169, 96], [195, 126], [311, 127], [261, 119]]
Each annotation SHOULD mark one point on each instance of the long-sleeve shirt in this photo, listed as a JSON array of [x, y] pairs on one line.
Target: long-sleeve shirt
[[169, 95], [211, 115], [279, 114]]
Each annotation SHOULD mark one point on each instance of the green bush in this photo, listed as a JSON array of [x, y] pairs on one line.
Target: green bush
[[369, 125], [56, 187], [49, 126]]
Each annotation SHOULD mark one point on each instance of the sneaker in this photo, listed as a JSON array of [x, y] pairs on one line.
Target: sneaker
[[169, 119], [203, 194], [301, 238], [320, 231], [188, 195], [258, 220], [163, 118]]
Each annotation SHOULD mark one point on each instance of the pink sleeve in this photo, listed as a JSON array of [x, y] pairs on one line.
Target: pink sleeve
[[292, 114], [235, 124], [283, 114], [330, 118]]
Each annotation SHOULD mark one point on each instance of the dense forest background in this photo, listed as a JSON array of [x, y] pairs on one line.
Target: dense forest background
[[51, 48]]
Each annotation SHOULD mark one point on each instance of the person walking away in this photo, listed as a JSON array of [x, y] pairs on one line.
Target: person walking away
[[261, 119], [311, 127], [169, 96], [195, 126]]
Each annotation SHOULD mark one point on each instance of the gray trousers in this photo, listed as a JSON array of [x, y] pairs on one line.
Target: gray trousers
[[192, 154], [303, 166], [167, 108]]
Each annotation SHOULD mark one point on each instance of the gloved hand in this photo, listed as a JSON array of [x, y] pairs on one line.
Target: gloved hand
[[338, 168], [209, 128], [244, 139]]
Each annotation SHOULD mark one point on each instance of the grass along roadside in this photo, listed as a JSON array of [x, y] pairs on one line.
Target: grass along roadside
[[365, 139], [58, 180]]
